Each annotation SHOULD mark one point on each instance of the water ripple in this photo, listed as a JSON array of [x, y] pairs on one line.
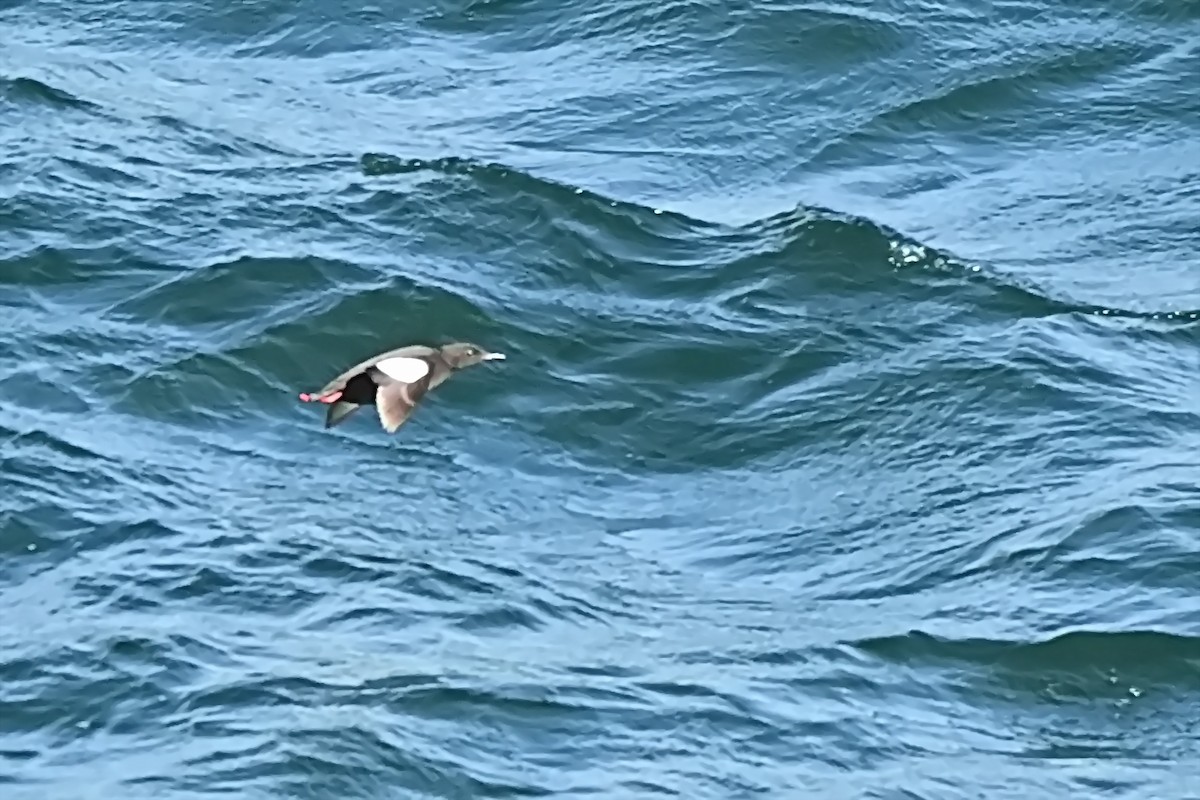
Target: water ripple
[[845, 446]]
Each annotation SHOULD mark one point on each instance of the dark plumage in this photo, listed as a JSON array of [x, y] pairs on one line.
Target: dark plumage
[[395, 381]]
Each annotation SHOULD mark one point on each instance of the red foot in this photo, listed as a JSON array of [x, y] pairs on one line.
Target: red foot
[[332, 397]]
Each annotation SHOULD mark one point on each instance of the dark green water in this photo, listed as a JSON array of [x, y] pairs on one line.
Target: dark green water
[[846, 447]]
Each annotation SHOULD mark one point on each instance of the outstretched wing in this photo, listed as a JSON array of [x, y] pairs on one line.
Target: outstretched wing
[[394, 406], [338, 411], [402, 381], [396, 402]]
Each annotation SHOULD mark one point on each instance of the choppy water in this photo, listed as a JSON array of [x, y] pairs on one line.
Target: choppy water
[[847, 445]]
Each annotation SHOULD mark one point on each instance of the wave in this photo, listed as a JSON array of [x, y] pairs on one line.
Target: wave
[[1092, 657], [666, 535], [621, 231], [719, 303], [620, 314], [23, 91]]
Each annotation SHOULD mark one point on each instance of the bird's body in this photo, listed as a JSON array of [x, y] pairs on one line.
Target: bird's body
[[395, 381]]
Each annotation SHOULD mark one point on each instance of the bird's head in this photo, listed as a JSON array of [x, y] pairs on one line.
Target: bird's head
[[461, 355]]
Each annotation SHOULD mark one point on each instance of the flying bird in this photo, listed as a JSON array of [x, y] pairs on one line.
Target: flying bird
[[395, 381]]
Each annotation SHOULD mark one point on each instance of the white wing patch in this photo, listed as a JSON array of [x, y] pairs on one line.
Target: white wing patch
[[405, 370]]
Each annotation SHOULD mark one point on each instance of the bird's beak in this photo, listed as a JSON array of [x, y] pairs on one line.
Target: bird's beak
[[494, 357]]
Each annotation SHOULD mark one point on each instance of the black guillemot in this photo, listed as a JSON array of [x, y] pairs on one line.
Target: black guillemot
[[395, 381]]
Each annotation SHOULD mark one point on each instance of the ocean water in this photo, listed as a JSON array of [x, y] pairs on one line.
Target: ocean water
[[846, 446]]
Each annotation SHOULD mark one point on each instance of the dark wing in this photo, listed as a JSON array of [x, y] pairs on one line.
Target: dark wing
[[338, 411], [395, 401], [339, 383]]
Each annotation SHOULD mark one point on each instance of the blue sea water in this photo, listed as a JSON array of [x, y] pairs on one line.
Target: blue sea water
[[846, 446]]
